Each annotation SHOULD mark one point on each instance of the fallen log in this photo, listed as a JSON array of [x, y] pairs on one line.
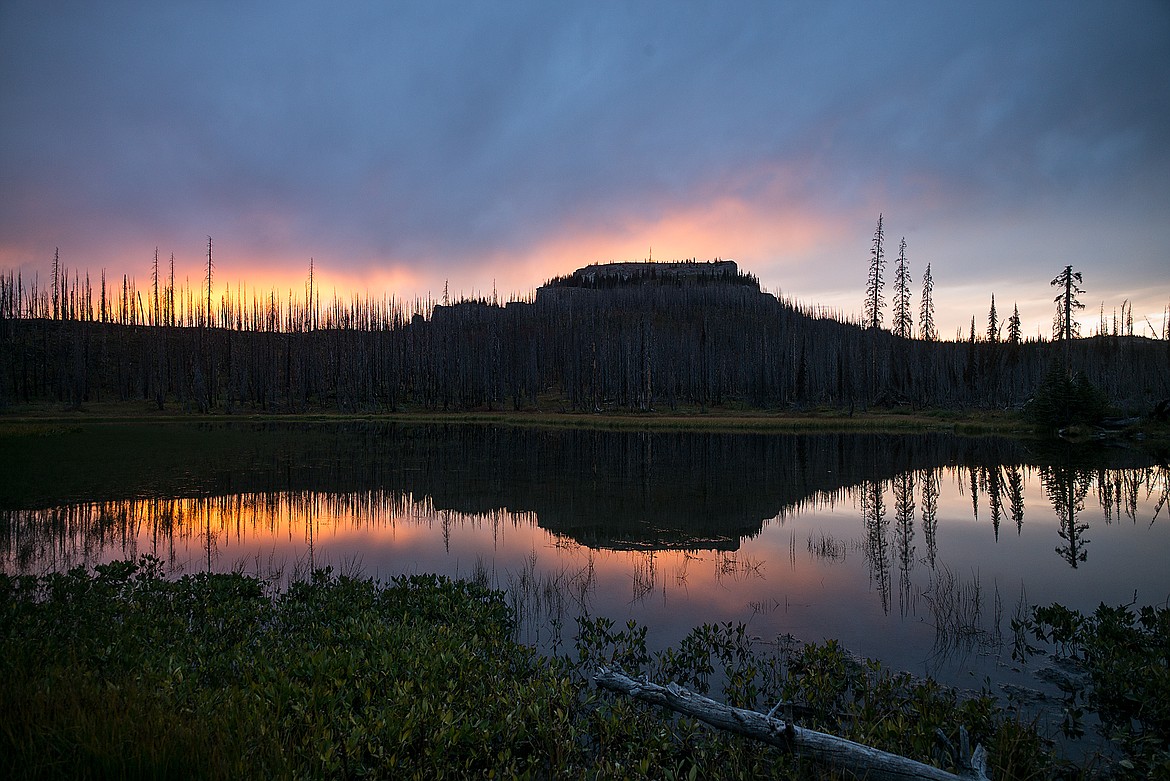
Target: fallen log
[[840, 753]]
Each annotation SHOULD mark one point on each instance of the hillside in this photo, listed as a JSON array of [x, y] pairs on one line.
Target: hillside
[[606, 337]]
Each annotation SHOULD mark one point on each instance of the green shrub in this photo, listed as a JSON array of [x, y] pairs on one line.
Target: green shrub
[[121, 672], [1126, 656], [1063, 399]]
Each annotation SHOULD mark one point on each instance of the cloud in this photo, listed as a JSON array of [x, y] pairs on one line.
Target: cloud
[[436, 139]]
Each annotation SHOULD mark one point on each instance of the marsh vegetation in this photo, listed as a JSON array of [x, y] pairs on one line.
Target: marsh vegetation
[[715, 559]]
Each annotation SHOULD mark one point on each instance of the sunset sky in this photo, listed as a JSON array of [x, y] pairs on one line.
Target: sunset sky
[[403, 145]]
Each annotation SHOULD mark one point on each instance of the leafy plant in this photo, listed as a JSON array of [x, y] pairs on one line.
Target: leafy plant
[[1126, 655], [121, 672]]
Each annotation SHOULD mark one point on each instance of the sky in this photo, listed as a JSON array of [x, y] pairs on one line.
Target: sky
[[405, 146]]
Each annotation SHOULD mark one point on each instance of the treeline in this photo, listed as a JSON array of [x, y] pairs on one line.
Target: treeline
[[645, 341]]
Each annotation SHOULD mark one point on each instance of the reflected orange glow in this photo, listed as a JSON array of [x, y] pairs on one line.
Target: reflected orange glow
[[821, 569]]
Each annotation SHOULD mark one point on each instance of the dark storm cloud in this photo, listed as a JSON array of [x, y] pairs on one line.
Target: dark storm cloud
[[446, 130]]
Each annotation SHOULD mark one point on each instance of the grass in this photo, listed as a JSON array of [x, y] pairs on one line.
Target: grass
[[47, 418], [121, 672]]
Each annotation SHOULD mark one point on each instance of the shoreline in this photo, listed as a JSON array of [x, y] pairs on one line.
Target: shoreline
[[730, 420]]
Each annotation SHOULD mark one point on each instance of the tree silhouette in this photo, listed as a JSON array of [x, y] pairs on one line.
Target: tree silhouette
[[903, 322], [1066, 327], [877, 545], [56, 279], [207, 314], [1014, 326], [926, 327], [1016, 495], [930, 490], [1066, 488], [904, 535], [875, 282], [610, 337], [992, 323]]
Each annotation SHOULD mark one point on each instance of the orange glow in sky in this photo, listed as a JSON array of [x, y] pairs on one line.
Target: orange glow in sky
[[730, 228]]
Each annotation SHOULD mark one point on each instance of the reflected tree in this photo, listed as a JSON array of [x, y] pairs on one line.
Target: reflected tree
[[930, 488], [973, 474], [1121, 490], [1015, 485], [1066, 488], [995, 496], [904, 534], [877, 546]]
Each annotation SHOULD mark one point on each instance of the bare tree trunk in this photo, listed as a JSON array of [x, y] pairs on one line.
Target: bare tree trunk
[[865, 762]]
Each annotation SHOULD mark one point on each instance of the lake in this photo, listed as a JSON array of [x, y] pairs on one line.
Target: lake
[[913, 549]]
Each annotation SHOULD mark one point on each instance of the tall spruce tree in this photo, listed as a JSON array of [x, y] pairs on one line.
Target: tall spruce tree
[[1014, 326], [992, 323], [926, 327], [1065, 325], [903, 321], [875, 282]]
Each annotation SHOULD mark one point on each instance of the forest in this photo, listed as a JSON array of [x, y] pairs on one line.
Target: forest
[[608, 337]]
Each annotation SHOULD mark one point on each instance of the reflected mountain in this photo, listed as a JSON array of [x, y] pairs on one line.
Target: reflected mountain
[[603, 489]]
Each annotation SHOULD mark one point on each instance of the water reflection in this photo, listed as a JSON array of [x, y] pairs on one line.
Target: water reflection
[[1066, 488], [811, 535]]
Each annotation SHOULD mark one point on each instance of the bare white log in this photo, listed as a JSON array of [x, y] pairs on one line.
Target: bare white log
[[831, 750]]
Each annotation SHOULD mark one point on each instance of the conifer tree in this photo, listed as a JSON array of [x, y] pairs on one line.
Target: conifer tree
[[903, 321], [1014, 326], [926, 327], [1064, 326], [875, 283], [992, 323]]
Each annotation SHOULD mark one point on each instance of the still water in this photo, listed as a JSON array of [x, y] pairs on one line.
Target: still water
[[916, 550]]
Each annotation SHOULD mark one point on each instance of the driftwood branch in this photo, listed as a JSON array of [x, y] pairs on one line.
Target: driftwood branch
[[840, 753]]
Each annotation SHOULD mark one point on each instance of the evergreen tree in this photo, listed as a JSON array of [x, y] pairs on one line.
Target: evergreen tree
[[1064, 399], [926, 327], [1067, 328], [992, 323], [875, 283], [1014, 326], [903, 322]]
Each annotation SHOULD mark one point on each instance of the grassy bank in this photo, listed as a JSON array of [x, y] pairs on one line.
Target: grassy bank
[[123, 673], [48, 416]]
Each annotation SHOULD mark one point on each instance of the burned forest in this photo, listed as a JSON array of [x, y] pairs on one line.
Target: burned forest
[[609, 337]]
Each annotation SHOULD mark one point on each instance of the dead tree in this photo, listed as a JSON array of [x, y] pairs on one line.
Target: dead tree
[[840, 753]]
